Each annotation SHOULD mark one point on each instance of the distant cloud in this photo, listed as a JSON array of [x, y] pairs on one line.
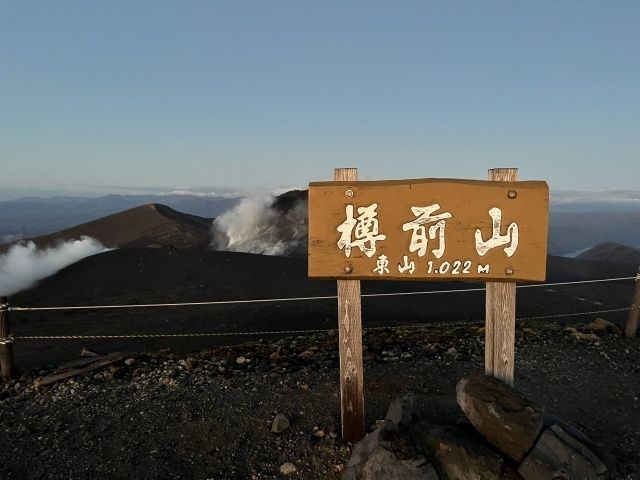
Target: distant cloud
[[192, 193], [229, 193], [605, 200], [11, 193], [608, 196]]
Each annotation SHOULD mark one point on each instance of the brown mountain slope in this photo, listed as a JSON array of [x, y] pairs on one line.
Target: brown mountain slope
[[151, 225]]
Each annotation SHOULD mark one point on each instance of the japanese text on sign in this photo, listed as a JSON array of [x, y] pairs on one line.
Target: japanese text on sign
[[428, 229]]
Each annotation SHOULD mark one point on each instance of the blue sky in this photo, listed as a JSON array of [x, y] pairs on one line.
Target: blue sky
[[102, 95]]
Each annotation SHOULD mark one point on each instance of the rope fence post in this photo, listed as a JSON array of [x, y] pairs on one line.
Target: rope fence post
[[500, 308], [634, 313], [350, 346], [6, 348]]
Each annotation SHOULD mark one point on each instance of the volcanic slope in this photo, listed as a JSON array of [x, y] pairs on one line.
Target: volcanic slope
[[151, 225], [612, 252], [165, 275]]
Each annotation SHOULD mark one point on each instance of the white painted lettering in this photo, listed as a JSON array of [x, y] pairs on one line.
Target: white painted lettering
[[497, 240]]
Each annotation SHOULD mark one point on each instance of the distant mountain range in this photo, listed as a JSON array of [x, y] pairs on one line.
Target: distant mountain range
[[574, 231]]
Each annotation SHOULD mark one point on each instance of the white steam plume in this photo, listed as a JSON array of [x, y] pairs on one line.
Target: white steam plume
[[24, 264], [256, 225]]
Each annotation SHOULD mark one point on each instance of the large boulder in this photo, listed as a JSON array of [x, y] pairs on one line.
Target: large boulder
[[503, 415], [559, 455], [388, 452], [461, 455]]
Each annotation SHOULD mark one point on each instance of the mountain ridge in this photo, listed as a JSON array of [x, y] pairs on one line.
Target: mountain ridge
[[150, 225]]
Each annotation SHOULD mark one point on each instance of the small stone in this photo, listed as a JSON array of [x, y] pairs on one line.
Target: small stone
[[140, 371], [288, 468], [280, 423], [601, 325], [129, 362], [241, 360], [319, 433], [187, 365], [585, 337]]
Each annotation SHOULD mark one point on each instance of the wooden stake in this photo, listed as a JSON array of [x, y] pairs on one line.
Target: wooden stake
[[6, 349], [500, 323], [350, 339], [634, 314]]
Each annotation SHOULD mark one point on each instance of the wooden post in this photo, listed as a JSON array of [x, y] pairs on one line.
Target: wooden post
[[350, 339], [6, 349], [500, 323], [634, 313]]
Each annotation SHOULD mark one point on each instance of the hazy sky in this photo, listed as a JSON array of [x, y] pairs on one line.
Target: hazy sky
[[276, 93]]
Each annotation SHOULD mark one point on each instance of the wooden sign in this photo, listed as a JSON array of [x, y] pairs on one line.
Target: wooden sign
[[428, 229]]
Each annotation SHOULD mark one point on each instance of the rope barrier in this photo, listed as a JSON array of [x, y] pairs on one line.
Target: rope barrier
[[167, 335], [289, 332], [7, 340], [296, 299], [575, 314], [576, 282]]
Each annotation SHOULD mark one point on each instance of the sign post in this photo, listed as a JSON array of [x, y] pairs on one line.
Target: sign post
[[634, 312], [429, 230], [6, 349], [500, 317], [350, 340]]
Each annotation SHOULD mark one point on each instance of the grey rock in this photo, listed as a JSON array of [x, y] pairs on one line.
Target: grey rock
[[404, 411], [503, 415], [288, 468], [377, 457], [598, 450], [558, 455], [389, 452], [580, 447], [461, 455], [280, 423]]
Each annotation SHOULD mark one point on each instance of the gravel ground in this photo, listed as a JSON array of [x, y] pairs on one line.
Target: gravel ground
[[208, 415]]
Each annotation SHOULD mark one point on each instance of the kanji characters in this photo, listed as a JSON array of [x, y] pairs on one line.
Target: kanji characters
[[497, 240], [361, 231], [419, 238], [382, 265]]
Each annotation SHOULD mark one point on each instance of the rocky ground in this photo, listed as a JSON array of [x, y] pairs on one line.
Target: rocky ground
[[210, 414]]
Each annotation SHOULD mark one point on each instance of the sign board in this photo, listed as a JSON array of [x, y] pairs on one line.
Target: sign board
[[428, 229]]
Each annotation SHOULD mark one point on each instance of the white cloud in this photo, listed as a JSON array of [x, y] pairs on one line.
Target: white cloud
[[24, 264]]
